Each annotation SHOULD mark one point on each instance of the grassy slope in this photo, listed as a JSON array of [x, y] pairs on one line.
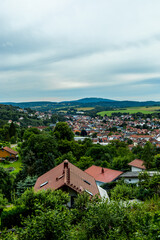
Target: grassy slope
[[132, 110], [17, 164], [85, 108]]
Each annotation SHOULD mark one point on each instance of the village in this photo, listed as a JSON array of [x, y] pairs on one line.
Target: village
[[102, 130], [123, 128], [89, 161]]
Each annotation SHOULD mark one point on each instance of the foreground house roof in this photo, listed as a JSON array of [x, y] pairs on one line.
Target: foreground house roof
[[137, 163], [66, 174], [101, 174]]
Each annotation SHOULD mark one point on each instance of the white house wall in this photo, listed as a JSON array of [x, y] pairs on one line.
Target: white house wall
[[131, 180], [135, 169], [99, 183]]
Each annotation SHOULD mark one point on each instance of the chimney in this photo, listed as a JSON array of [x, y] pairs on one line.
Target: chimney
[[65, 171], [102, 170], [65, 163]]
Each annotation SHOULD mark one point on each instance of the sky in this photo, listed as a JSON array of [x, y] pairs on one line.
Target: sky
[[56, 50]]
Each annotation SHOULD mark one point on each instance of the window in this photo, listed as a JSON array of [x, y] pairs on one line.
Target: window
[[88, 192], [43, 184], [72, 200], [86, 182]]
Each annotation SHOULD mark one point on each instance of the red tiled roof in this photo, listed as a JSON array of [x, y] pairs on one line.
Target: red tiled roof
[[10, 150], [105, 175], [69, 175], [137, 163], [140, 136]]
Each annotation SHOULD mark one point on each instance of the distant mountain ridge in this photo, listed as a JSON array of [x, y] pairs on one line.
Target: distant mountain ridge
[[84, 102], [91, 100]]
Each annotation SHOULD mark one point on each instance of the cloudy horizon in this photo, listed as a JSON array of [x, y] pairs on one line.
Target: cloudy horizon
[[67, 50]]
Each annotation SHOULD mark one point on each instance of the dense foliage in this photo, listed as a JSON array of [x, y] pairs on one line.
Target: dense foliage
[[49, 218]]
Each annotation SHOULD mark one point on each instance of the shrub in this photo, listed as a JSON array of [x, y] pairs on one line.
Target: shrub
[[13, 217]]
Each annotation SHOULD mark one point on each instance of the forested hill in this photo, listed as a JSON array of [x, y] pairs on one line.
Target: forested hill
[[90, 100], [85, 102], [8, 112], [22, 117]]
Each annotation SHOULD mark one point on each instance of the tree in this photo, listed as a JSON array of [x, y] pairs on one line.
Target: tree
[[25, 184], [29, 132], [157, 161], [94, 135], [69, 156], [64, 146], [34, 204], [99, 154], [138, 151], [85, 162], [83, 133], [3, 202], [148, 155], [47, 225], [122, 192], [63, 131], [44, 165], [121, 163], [12, 130], [38, 154], [5, 183]]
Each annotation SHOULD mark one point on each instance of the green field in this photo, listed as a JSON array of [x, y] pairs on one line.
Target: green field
[[131, 110], [85, 108], [17, 165]]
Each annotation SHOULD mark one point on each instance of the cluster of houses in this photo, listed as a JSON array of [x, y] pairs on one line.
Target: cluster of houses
[[103, 130], [73, 180], [123, 128], [36, 114]]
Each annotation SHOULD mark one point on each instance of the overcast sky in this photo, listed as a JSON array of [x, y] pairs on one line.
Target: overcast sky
[[69, 49]]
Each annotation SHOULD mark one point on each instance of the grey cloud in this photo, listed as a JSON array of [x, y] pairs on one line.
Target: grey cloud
[[88, 43], [152, 81]]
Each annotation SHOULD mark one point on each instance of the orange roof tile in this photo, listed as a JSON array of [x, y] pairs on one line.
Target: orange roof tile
[[105, 175], [137, 163]]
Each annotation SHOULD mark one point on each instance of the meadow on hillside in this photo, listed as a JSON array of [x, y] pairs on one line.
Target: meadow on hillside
[[131, 110]]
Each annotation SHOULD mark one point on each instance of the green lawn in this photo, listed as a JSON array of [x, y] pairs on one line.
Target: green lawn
[[17, 165], [131, 110]]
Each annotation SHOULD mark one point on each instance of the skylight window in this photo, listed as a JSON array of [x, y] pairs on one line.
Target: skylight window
[[43, 184], [86, 182], [89, 192]]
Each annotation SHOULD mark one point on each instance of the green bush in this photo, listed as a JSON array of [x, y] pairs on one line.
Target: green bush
[[13, 217], [122, 192]]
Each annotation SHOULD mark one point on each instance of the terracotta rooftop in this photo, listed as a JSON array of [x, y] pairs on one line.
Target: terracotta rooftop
[[101, 174], [10, 150], [137, 163], [66, 174]]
